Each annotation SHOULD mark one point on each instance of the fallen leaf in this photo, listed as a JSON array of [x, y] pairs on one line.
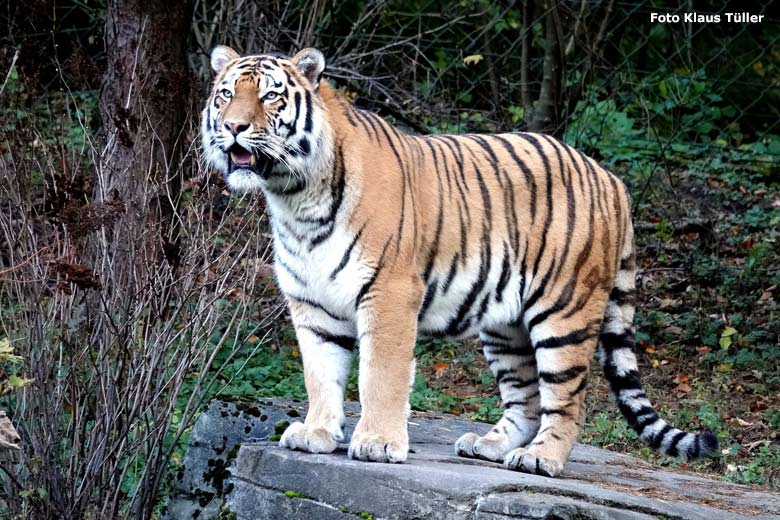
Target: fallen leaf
[[684, 388], [674, 329], [252, 339], [438, 367], [473, 59], [651, 349], [724, 367], [655, 363], [758, 406], [704, 349], [681, 378]]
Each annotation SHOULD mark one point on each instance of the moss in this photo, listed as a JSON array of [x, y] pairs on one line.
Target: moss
[[204, 497], [279, 430], [226, 514], [365, 516], [294, 494], [280, 427], [233, 453]]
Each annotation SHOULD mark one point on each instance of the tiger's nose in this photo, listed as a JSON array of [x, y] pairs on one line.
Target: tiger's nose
[[236, 128]]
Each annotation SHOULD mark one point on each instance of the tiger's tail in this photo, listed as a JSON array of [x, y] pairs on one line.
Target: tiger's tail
[[618, 359]]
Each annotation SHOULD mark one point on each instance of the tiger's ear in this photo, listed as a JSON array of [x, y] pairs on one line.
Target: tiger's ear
[[221, 56], [311, 63]]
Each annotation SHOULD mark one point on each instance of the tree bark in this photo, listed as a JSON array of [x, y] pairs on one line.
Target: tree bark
[[546, 117], [144, 102]]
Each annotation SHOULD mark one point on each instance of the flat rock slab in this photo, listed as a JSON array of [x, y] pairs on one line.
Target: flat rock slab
[[233, 469]]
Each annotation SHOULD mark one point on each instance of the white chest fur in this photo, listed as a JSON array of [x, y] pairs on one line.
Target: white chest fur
[[330, 272]]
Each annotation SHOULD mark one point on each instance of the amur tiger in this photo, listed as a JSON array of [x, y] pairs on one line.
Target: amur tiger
[[380, 236]]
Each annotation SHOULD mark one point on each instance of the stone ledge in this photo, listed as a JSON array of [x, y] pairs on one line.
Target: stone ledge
[[232, 470]]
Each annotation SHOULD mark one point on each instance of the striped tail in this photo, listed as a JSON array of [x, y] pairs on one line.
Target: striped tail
[[618, 359]]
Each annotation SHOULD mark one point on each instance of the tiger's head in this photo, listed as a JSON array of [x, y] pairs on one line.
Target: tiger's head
[[264, 125]]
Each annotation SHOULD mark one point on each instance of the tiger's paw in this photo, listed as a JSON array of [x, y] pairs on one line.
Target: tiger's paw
[[298, 436], [492, 446], [373, 447], [521, 459]]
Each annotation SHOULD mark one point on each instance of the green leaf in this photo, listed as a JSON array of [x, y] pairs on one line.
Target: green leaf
[[15, 381]]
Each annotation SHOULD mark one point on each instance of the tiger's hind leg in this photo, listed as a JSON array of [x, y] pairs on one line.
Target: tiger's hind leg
[[563, 352], [511, 359]]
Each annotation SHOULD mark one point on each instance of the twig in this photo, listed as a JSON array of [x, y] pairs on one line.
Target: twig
[[10, 69], [26, 261]]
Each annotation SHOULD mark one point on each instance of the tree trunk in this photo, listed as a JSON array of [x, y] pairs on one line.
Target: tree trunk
[[546, 117], [144, 103]]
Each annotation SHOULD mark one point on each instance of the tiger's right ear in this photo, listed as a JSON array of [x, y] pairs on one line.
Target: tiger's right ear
[[221, 56]]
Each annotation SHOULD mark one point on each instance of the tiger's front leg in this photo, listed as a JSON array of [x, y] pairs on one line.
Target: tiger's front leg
[[387, 328], [326, 348]]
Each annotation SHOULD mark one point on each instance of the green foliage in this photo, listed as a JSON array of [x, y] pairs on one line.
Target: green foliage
[[760, 470], [10, 379]]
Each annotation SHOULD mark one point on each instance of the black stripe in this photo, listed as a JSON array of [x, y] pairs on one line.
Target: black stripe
[[451, 274], [621, 297], [496, 335], [527, 174], [553, 411], [367, 286], [345, 342], [316, 305], [430, 292], [563, 376], [558, 306], [307, 124], [672, 451], [347, 253], [573, 338], [658, 438]]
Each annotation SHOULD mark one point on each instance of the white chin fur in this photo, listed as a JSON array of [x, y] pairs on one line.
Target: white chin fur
[[244, 181]]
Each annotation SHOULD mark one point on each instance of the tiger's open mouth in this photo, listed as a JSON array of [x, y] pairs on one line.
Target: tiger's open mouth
[[242, 159]]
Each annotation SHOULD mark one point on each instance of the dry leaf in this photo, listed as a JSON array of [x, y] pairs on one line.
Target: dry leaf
[[438, 367], [684, 388], [473, 59], [681, 378], [674, 329], [9, 438]]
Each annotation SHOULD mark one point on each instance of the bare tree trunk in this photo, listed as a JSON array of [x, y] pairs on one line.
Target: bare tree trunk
[[527, 42], [144, 103], [546, 116]]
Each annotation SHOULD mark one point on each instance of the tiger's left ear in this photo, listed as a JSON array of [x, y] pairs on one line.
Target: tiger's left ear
[[311, 63]]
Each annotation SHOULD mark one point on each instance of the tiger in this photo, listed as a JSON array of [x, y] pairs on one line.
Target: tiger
[[380, 236]]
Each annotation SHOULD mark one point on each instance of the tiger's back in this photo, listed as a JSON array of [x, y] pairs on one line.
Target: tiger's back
[[378, 235]]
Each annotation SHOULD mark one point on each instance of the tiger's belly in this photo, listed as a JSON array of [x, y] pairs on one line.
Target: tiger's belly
[[458, 301], [474, 298]]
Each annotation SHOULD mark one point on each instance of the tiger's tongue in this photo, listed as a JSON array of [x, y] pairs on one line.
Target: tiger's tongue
[[241, 157]]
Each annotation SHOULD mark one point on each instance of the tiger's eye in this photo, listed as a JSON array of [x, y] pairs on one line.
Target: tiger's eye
[[271, 96], [226, 93]]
